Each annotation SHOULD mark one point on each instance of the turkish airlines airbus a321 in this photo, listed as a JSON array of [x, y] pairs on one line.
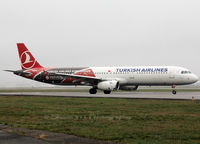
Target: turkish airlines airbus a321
[[104, 78]]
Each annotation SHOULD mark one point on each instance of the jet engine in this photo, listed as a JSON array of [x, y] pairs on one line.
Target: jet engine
[[108, 85], [129, 88]]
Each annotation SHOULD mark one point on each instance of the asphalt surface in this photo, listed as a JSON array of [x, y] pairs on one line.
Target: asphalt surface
[[11, 136], [131, 95]]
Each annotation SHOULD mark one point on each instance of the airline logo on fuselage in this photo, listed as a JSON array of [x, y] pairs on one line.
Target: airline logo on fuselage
[[162, 70]]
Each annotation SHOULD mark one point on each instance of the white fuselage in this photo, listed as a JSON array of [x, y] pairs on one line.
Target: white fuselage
[[146, 75], [103, 78]]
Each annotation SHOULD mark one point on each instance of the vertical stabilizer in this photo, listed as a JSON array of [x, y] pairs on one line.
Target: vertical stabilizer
[[26, 58]]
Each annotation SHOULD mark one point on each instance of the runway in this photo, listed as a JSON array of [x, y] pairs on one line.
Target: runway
[[129, 95]]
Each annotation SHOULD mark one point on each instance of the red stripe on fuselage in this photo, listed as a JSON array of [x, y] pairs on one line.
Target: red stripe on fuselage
[[36, 71], [86, 72]]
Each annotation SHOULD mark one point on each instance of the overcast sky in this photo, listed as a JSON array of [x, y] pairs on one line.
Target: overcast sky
[[63, 33]]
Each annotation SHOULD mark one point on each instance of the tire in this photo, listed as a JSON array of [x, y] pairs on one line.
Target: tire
[[107, 92], [174, 92], [93, 91]]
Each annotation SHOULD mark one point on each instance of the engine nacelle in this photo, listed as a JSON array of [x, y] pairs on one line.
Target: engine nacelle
[[129, 88], [108, 85]]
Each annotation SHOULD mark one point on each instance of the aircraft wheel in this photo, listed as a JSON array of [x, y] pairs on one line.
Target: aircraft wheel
[[93, 91], [174, 92], [107, 92]]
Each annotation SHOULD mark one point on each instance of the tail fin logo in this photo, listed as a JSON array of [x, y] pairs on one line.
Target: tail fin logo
[[27, 61]]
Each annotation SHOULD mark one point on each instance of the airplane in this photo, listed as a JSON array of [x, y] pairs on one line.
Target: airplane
[[104, 78]]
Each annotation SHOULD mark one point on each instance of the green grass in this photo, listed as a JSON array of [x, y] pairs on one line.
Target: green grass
[[118, 120]]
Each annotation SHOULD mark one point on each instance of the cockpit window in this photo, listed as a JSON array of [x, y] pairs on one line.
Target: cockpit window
[[185, 72]]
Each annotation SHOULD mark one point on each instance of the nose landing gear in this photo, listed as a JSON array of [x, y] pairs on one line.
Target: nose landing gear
[[174, 92], [174, 89]]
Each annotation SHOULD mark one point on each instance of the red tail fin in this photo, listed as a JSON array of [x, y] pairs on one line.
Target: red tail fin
[[27, 59]]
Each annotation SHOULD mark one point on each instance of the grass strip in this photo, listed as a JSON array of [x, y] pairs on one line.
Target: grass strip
[[118, 120]]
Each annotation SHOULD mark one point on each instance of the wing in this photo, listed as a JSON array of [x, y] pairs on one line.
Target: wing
[[87, 79]]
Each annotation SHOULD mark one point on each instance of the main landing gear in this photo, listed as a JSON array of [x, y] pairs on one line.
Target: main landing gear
[[174, 89], [93, 91], [107, 92]]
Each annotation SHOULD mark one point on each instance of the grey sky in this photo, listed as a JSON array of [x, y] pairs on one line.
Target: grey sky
[[62, 33]]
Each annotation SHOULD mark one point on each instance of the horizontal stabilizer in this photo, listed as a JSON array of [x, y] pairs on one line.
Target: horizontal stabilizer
[[18, 72], [9, 71]]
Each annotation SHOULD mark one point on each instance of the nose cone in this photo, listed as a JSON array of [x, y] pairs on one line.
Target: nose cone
[[194, 78]]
